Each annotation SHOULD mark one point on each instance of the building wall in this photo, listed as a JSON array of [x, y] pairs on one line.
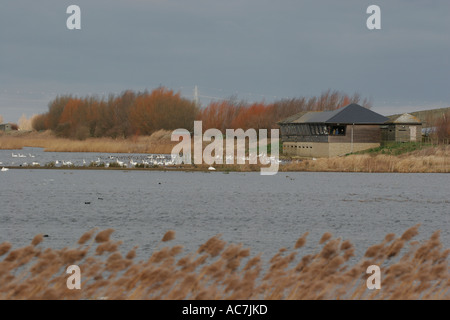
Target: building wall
[[361, 134], [340, 149], [402, 132], [405, 132], [388, 133], [5, 127], [306, 149], [364, 137], [323, 149]]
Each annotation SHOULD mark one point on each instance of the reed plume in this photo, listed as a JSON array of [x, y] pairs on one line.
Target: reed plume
[[220, 270]]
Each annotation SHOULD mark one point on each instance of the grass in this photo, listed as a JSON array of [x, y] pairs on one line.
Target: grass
[[396, 148], [222, 271], [396, 157], [422, 160]]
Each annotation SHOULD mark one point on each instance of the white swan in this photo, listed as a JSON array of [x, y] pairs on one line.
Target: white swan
[[4, 169], [211, 168], [14, 155]]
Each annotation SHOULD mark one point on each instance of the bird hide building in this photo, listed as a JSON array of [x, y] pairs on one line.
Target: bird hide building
[[332, 133], [403, 128], [6, 127]]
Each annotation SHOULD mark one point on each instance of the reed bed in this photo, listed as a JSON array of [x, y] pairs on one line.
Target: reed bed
[[158, 143], [429, 160], [226, 271]]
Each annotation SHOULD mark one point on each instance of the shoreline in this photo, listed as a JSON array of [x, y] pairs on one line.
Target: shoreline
[[206, 170], [422, 159]]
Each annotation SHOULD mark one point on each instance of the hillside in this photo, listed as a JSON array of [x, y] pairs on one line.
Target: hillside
[[427, 116]]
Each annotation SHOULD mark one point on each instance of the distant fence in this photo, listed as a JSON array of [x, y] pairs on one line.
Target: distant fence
[[435, 141]]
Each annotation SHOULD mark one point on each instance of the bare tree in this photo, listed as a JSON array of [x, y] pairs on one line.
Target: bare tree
[[25, 123]]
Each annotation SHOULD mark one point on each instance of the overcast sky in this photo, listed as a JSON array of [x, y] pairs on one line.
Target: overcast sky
[[253, 49]]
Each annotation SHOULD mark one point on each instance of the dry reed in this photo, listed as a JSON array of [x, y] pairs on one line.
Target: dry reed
[[158, 143], [221, 270], [427, 160]]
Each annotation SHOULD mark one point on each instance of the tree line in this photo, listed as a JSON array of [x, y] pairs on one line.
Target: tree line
[[143, 113]]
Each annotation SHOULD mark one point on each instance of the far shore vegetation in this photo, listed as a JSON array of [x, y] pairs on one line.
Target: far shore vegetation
[[142, 122], [395, 157]]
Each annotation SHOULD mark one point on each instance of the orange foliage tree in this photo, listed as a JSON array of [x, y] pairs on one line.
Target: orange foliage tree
[[143, 113]]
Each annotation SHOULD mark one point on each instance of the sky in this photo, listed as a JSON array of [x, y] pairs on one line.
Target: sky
[[254, 50]]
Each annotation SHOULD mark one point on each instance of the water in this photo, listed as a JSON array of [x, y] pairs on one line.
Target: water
[[29, 157], [264, 213]]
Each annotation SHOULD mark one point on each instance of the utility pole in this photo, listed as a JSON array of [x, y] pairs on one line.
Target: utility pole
[[353, 125], [196, 101]]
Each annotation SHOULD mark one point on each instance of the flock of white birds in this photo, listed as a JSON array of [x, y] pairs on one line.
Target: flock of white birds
[[126, 161]]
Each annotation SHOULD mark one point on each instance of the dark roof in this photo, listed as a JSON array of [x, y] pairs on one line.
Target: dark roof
[[353, 113], [293, 117]]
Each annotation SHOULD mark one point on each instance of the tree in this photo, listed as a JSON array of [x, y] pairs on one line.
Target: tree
[[25, 123], [443, 127]]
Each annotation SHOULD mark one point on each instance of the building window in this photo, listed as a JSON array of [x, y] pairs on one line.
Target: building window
[[337, 130], [316, 130]]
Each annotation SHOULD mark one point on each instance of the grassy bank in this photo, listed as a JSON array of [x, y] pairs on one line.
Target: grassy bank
[[396, 149], [427, 160], [220, 270]]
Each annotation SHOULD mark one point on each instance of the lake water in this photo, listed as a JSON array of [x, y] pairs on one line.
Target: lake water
[[264, 213], [30, 157]]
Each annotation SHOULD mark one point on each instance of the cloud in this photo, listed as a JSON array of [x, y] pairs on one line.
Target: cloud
[[286, 48]]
